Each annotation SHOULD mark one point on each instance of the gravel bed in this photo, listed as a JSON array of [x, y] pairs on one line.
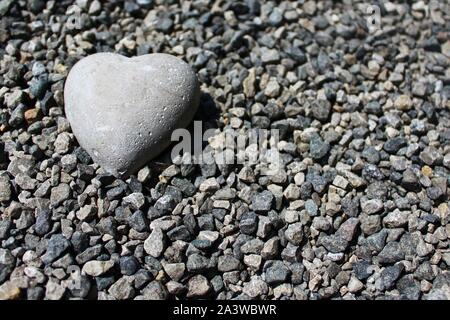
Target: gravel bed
[[359, 210]]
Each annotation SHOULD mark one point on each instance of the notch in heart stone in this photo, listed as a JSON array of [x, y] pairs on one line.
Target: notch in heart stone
[[123, 110]]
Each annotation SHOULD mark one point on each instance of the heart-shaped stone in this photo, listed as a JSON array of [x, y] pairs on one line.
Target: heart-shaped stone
[[124, 110]]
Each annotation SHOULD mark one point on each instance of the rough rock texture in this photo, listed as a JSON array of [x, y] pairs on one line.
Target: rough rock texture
[[360, 209], [123, 110]]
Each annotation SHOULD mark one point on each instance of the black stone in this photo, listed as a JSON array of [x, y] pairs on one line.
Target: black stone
[[128, 265]]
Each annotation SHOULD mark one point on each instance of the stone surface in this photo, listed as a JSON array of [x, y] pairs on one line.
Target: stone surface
[[198, 286], [5, 187], [97, 268], [122, 289], [9, 291], [358, 209], [255, 287], [155, 291], [123, 111], [155, 244], [56, 246]]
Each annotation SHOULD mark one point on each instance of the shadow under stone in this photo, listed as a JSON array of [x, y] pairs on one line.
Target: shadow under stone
[[208, 113]]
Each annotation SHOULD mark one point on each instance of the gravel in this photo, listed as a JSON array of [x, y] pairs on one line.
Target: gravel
[[96, 268], [198, 286], [56, 246], [358, 210], [155, 244]]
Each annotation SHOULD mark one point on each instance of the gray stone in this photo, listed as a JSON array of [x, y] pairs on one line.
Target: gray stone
[[209, 185], [269, 55], [408, 287], [97, 268], [54, 291], [253, 261], [389, 275], [273, 88], [17, 116], [248, 223], [175, 270], [63, 142], [138, 221], [144, 174], [155, 290], [56, 246], [334, 243], [441, 288], [370, 224], [142, 278], [294, 233], [135, 200], [262, 202], [179, 233], [396, 219], [122, 289], [430, 156], [292, 192], [252, 246], [228, 263], [198, 286], [5, 188], [424, 272], [184, 185], [9, 291], [25, 182], [155, 244], [123, 111], [35, 293], [317, 147], [277, 273], [255, 288], [291, 253], [128, 265], [69, 162], [372, 206], [362, 270], [175, 288], [4, 6], [95, 7], [321, 109], [311, 207], [80, 286], [410, 180], [264, 227], [26, 220], [6, 258], [207, 235], [87, 213], [165, 204], [391, 253], [394, 144], [197, 263], [446, 160], [59, 194], [43, 224], [164, 24], [348, 229], [43, 189], [271, 248], [354, 285]]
